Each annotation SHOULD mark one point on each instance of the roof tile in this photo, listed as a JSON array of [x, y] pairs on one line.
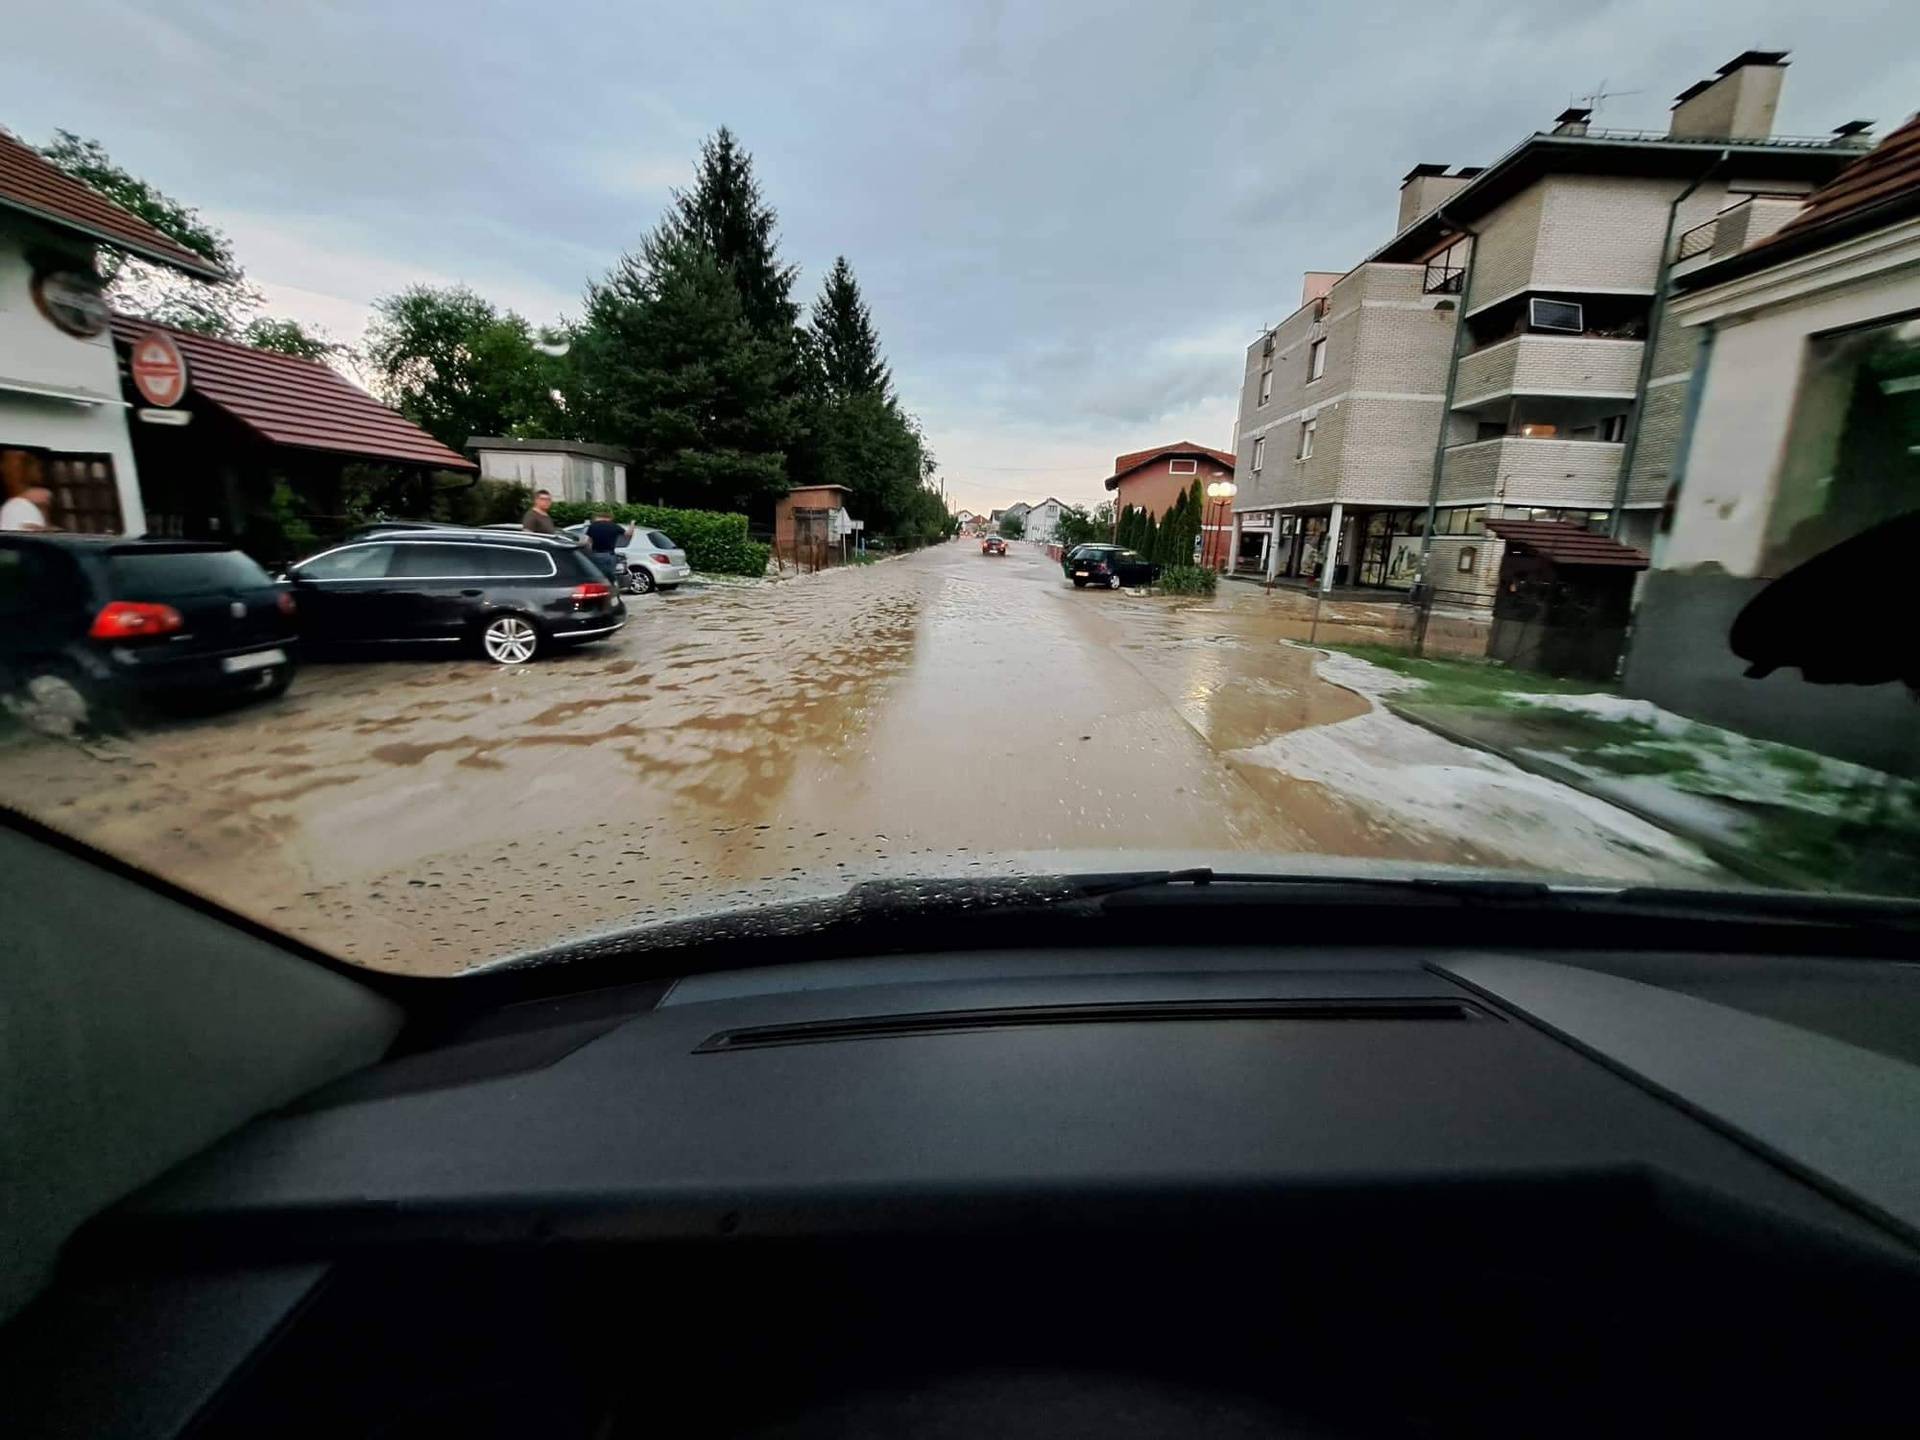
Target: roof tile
[[302, 403], [33, 184]]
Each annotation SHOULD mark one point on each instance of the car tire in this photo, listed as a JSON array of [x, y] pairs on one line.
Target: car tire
[[57, 700], [510, 639], [1113, 582], [640, 581], [277, 686]]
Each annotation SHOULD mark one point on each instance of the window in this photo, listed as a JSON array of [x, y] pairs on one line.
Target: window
[[438, 562], [1446, 272], [1562, 315], [1307, 427], [659, 541], [1316, 360], [1614, 429], [84, 497], [164, 575], [1538, 430], [1259, 452], [506, 561], [1266, 382], [355, 562], [1183, 467], [1468, 555]]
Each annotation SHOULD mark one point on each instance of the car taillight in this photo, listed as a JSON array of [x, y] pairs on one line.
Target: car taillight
[[285, 601], [661, 560], [592, 590], [130, 619]]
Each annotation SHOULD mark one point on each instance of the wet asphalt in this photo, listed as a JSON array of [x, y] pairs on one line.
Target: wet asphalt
[[926, 714]]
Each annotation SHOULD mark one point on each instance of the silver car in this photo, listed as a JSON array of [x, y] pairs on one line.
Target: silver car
[[651, 560]]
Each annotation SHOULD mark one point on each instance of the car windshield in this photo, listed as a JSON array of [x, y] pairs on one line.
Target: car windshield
[[1406, 448]]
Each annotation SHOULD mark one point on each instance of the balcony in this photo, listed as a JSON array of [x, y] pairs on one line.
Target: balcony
[[1443, 279], [1548, 365], [1531, 472], [1738, 226]]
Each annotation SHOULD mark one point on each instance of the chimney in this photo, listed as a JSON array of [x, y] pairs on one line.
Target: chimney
[[1317, 284], [1738, 103], [1572, 121], [1427, 186]]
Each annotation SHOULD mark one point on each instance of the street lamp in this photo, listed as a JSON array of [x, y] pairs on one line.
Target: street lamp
[[1220, 492]]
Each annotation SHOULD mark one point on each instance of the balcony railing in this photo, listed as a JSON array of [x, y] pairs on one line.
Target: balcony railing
[[1698, 240], [1548, 365], [1444, 280], [1782, 142], [1524, 471]]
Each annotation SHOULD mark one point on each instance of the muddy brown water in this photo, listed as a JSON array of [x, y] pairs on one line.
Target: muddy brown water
[[427, 814]]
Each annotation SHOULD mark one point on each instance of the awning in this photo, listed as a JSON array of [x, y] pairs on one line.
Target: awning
[[299, 403], [1565, 544]]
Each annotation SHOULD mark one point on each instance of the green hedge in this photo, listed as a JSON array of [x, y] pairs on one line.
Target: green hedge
[[714, 541], [1186, 580]]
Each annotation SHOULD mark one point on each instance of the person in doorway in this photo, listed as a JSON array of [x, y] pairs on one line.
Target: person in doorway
[[604, 536], [27, 510], [537, 519]]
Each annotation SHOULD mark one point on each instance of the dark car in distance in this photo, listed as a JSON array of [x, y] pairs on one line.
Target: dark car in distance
[[993, 545], [91, 623], [1109, 565], [509, 596]]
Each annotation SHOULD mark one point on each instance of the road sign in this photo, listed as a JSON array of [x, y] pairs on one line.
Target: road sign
[[159, 370]]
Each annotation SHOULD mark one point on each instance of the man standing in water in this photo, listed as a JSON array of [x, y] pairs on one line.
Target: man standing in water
[[604, 536], [537, 519]]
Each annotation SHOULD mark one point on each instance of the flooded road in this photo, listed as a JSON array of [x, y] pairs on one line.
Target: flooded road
[[919, 714]]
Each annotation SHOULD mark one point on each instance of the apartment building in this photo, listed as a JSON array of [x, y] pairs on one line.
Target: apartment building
[[1492, 358]]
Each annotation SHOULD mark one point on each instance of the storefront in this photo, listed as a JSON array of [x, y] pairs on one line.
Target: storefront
[[265, 451]]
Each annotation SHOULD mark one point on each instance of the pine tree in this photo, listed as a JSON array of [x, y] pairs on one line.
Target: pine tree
[[1149, 537], [842, 343], [725, 212]]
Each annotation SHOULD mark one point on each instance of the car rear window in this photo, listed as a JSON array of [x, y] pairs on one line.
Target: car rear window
[[513, 561], [140, 575], [659, 541]]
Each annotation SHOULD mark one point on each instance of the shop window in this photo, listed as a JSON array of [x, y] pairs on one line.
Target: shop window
[[85, 498]]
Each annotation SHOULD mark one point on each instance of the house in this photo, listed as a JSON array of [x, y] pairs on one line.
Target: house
[[811, 527], [571, 469], [258, 443], [63, 419], [1153, 479], [1012, 512], [1503, 353], [1043, 520], [1804, 438]]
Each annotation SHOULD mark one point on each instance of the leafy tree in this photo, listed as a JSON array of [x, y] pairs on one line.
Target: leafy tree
[[228, 308], [1103, 520], [1077, 527], [456, 366], [1012, 527], [669, 367], [842, 344]]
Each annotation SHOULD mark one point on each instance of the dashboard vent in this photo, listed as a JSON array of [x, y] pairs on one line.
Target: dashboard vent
[[947, 1022]]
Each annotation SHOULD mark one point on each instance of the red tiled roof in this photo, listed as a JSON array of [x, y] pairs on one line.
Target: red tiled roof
[[35, 186], [1125, 464], [301, 403], [1891, 169], [1567, 544]]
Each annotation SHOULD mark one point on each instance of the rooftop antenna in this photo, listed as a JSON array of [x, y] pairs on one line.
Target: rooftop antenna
[[1599, 97]]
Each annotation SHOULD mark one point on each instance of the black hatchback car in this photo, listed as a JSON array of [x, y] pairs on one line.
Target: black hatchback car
[[1110, 566], [509, 596], [89, 623]]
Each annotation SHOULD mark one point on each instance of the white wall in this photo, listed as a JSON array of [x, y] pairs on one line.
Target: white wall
[[33, 351], [1739, 436]]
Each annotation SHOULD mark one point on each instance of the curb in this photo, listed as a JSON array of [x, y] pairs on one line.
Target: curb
[[1728, 857]]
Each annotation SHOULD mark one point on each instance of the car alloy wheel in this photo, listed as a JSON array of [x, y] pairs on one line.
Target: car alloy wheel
[[1113, 581], [642, 580], [509, 640]]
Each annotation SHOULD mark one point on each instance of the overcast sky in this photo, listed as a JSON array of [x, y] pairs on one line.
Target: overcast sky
[[1069, 218]]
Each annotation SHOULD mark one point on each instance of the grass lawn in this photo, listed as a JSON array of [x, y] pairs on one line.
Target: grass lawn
[[1830, 824]]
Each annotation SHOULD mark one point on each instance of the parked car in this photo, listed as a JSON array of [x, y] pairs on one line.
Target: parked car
[[993, 545], [652, 560], [1108, 565], [91, 623], [510, 595]]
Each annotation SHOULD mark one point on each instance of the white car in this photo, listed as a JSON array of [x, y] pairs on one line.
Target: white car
[[653, 561]]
